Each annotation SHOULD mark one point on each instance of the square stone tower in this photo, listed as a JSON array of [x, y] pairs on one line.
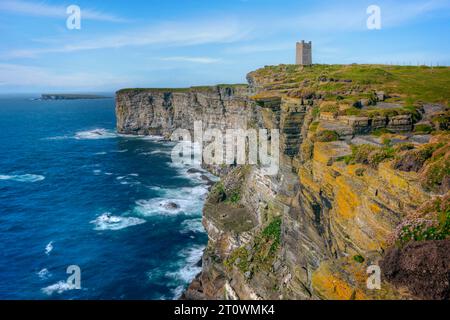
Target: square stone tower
[[304, 53]]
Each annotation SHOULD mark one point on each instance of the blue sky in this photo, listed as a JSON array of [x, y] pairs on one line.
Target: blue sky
[[177, 43]]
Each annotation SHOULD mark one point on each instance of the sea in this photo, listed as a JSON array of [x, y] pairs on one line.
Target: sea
[[87, 213]]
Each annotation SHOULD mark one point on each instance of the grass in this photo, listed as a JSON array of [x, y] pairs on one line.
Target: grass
[[369, 155], [423, 231], [262, 253], [313, 126], [193, 88], [326, 136], [412, 83], [423, 128]]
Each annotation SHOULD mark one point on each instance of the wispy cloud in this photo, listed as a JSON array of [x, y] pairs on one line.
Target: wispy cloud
[[260, 47], [204, 60], [167, 34], [13, 75], [51, 11]]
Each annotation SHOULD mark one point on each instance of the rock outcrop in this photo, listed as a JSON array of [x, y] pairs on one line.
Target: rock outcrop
[[312, 230], [161, 111]]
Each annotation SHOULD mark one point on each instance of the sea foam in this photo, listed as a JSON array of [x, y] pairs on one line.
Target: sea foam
[[173, 201], [23, 178], [49, 248], [190, 268], [106, 221], [95, 134], [58, 287]]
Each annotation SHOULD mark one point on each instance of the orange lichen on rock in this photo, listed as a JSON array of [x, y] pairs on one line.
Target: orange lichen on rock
[[332, 287]]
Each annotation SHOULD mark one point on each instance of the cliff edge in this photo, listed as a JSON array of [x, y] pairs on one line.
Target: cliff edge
[[363, 181]]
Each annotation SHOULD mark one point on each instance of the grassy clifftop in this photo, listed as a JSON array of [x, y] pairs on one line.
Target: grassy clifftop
[[188, 89], [402, 83]]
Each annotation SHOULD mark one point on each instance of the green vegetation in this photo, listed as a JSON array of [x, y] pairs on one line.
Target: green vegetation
[[403, 83], [442, 121], [331, 107], [194, 88], [272, 233], [431, 223], [380, 132], [315, 112], [221, 195], [235, 197], [326, 136], [369, 155], [313, 126], [359, 258], [262, 253], [218, 192], [422, 229]]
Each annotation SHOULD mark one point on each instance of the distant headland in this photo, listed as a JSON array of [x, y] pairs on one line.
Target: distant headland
[[70, 96]]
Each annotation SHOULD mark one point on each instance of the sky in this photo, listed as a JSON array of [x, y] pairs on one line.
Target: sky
[[180, 43]]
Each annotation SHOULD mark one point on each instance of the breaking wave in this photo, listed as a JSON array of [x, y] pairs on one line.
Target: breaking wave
[[106, 221], [95, 134], [190, 268], [23, 178], [58, 287], [173, 201]]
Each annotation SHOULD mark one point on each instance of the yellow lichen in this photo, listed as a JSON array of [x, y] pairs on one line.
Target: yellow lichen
[[330, 286]]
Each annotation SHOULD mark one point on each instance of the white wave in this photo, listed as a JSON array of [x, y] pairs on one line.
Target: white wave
[[49, 248], [173, 201], [192, 225], [128, 179], [153, 138], [143, 137], [161, 206], [177, 292], [97, 172], [58, 287], [187, 200], [158, 151], [95, 134], [100, 153], [44, 274], [109, 173], [190, 268], [106, 221], [23, 178]]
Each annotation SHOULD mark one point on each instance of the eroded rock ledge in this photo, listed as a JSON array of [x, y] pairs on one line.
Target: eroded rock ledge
[[311, 231]]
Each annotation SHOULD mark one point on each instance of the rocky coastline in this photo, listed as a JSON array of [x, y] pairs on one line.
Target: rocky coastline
[[352, 170]]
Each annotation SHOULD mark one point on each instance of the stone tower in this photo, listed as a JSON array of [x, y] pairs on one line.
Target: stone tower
[[304, 53]]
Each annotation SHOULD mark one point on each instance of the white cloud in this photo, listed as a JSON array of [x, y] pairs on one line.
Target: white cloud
[[205, 60], [167, 34], [45, 10]]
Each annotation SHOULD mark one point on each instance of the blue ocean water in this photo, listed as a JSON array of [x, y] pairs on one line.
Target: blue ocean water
[[73, 192]]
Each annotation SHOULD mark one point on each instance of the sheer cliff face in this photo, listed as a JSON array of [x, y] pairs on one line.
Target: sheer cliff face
[[160, 112], [311, 231]]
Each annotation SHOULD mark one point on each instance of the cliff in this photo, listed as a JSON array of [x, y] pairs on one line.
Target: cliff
[[364, 173]]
